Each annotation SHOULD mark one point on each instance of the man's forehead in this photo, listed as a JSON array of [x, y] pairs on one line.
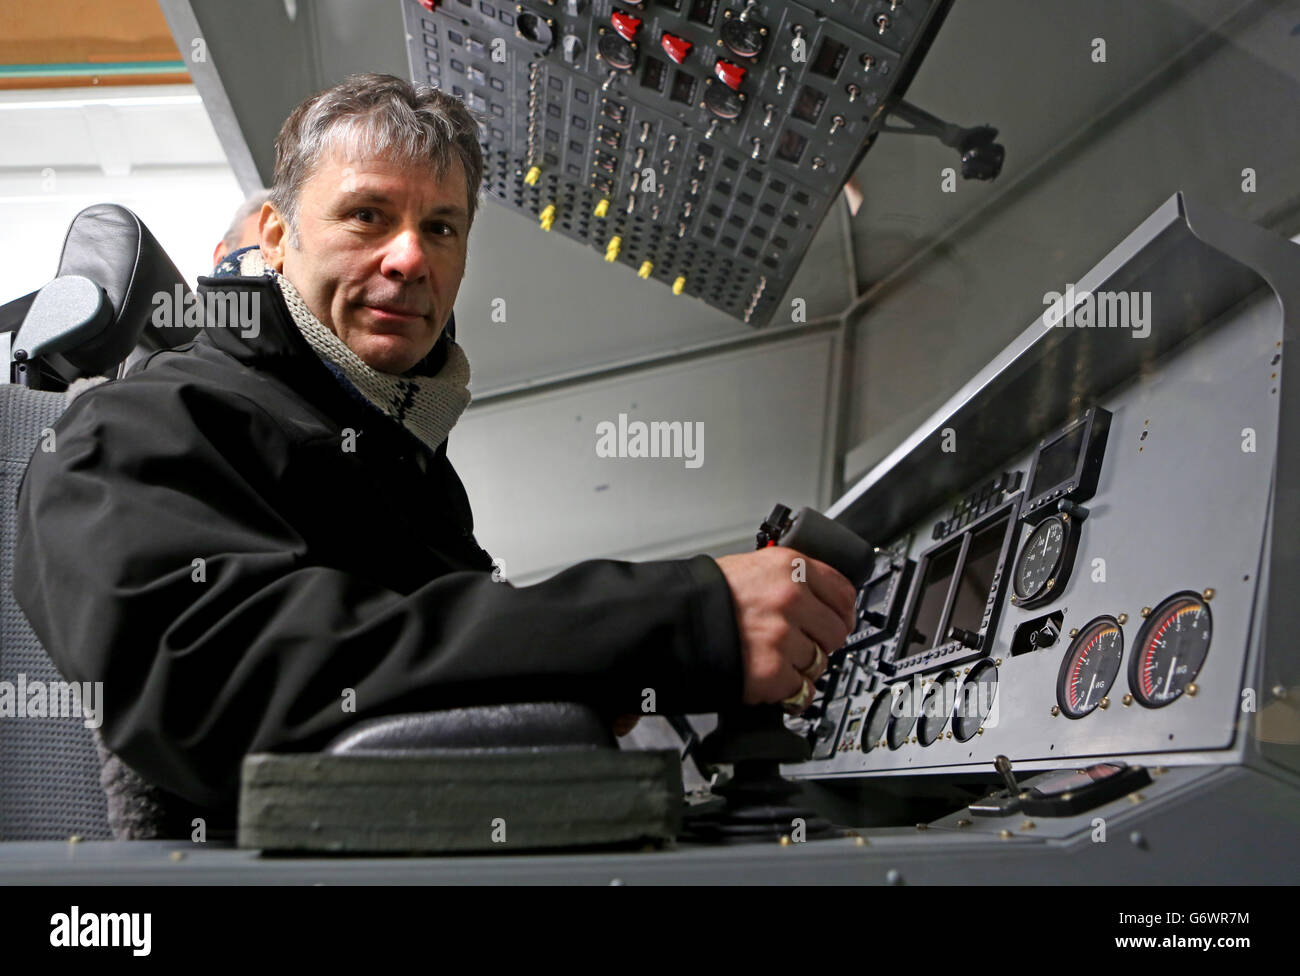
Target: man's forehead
[[340, 175]]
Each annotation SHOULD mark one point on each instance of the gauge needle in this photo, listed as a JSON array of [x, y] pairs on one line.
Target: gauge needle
[[1169, 678], [1088, 697]]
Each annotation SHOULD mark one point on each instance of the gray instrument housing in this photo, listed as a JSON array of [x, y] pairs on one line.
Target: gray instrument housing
[[1187, 501]]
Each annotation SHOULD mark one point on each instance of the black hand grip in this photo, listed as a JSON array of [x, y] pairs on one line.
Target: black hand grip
[[813, 534]]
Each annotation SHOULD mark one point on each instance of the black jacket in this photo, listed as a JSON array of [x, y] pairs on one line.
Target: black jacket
[[324, 572]]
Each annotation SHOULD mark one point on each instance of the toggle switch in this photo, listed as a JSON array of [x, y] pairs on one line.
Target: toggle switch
[[625, 24], [729, 74], [676, 47]]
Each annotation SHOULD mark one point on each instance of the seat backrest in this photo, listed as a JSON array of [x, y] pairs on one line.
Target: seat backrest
[[49, 767]]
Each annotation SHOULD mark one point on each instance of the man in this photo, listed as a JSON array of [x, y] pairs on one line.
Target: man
[[245, 227], [258, 540]]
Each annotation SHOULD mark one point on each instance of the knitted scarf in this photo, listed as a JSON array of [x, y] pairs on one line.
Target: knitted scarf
[[427, 406]]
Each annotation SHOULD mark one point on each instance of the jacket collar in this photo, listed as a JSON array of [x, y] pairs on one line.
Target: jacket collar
[[276, 346]]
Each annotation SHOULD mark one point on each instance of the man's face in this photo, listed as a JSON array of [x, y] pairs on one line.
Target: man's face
[[380, 255]]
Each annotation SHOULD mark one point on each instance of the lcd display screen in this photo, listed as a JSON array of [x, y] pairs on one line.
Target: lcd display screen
[[683, 88], [703, 11], [977, 574], [830, 57], [808, 106], [924, 629], [1058, 460], [653, 74]]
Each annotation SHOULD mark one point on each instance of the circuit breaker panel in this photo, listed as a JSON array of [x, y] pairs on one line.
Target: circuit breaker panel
[[700, 142]]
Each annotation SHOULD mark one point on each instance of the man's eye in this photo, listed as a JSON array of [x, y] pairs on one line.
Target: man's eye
[[366, 215], [441, 228]]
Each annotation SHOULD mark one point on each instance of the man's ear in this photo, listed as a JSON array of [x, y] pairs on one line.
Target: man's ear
[[274, 236]]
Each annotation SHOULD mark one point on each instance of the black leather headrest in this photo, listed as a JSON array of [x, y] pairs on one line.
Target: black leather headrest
[[109, 245]]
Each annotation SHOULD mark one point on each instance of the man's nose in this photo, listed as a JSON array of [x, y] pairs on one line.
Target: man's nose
[[405, 257]]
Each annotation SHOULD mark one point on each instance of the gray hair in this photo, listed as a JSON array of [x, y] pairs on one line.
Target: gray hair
[[375, 115], [246, 209]]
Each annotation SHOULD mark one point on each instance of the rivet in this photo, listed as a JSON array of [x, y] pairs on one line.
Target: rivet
[[1208, 593], [1146, 611], [1122, 618], [1056, 710]]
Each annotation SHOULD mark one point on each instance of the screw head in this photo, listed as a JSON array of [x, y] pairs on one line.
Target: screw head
[[1146, 611], [1104, 703], [1122, 618], [1127, 700], [1192, 690], [1056, 710]]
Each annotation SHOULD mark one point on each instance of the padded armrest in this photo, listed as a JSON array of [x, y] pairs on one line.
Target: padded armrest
[[487, 728]]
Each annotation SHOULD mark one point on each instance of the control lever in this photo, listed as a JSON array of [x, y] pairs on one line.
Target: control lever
[[1000, 803], [1003, 765], [754, 738]]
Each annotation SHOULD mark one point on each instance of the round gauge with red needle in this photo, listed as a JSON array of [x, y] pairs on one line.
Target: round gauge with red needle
[[1090, 667], [1170, 649]]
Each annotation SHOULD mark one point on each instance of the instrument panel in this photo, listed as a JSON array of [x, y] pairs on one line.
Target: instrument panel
[[1093, 597]]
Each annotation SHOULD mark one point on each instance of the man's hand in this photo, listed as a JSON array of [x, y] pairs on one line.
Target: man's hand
[[625, 724], [782, 622]]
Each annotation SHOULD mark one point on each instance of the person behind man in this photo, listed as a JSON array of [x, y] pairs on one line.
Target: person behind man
[[257, 540], [245, 227]]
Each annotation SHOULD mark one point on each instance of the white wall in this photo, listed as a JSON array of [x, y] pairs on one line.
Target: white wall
[[151, 149]]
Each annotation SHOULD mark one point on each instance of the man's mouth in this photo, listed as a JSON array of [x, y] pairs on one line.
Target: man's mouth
[[395, 313]]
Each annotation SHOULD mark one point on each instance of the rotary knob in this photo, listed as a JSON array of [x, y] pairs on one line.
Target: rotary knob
[[743, 37], [616, 52], [676, 47], [722, 102]]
